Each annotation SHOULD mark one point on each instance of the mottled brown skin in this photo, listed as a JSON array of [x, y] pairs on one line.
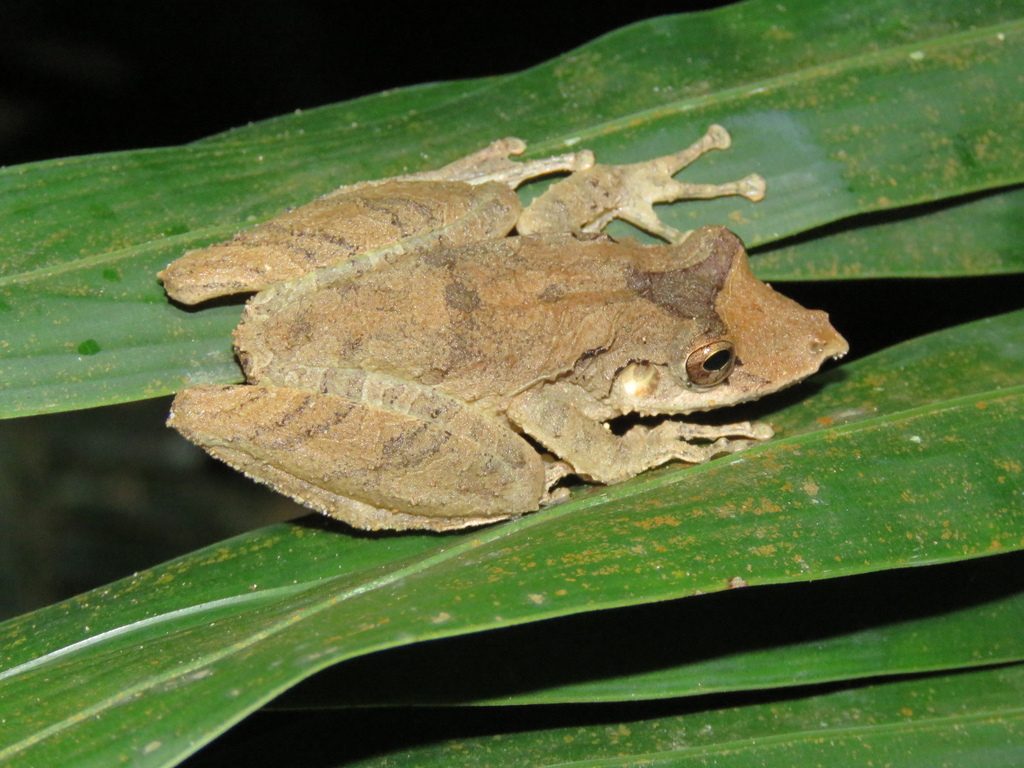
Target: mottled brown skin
[[413, 216], [391, 387]]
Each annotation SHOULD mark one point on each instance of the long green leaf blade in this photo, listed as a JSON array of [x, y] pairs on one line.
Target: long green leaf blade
[[841, 119], [972, 719], [882, 624], [973, 236]]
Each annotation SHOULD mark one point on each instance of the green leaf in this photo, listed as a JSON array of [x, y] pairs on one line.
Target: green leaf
[[975, 235], [846, 110], [881, 624], [184, 650], [968, 719]]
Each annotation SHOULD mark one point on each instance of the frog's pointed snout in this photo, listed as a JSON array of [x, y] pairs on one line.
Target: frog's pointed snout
[[831, 347], [778, 342]]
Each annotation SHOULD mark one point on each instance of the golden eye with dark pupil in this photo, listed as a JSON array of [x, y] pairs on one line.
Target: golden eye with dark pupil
[[717, 360], [711, 364]]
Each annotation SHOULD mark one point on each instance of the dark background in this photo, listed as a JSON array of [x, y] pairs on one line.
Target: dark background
[[79, 77]]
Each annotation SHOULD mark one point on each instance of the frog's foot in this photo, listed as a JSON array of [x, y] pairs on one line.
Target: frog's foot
[[492, 163], [676, 440], [557, 419], [646, 183], [589, 200], [658, 173], [750, 430]]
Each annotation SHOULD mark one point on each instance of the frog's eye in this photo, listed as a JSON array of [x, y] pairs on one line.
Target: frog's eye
[[710, 365]]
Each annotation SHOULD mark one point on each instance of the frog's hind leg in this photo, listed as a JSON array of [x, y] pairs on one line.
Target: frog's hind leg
[[380, 454], [589, 200]]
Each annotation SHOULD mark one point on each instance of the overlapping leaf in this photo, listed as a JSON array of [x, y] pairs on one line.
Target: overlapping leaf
[[971, 719]]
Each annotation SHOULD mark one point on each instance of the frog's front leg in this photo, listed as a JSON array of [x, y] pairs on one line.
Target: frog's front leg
[[376, 452], [571, 424], [590, 199]]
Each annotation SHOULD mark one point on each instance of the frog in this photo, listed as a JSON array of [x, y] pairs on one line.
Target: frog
[[423, 352]]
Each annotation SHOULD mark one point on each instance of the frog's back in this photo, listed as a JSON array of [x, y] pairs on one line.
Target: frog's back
[[480, 321]]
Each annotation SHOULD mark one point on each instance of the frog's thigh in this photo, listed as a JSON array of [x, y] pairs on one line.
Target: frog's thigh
[[431, 462]]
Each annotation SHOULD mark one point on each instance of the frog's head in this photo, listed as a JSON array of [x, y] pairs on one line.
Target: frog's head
[[758, 342]]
